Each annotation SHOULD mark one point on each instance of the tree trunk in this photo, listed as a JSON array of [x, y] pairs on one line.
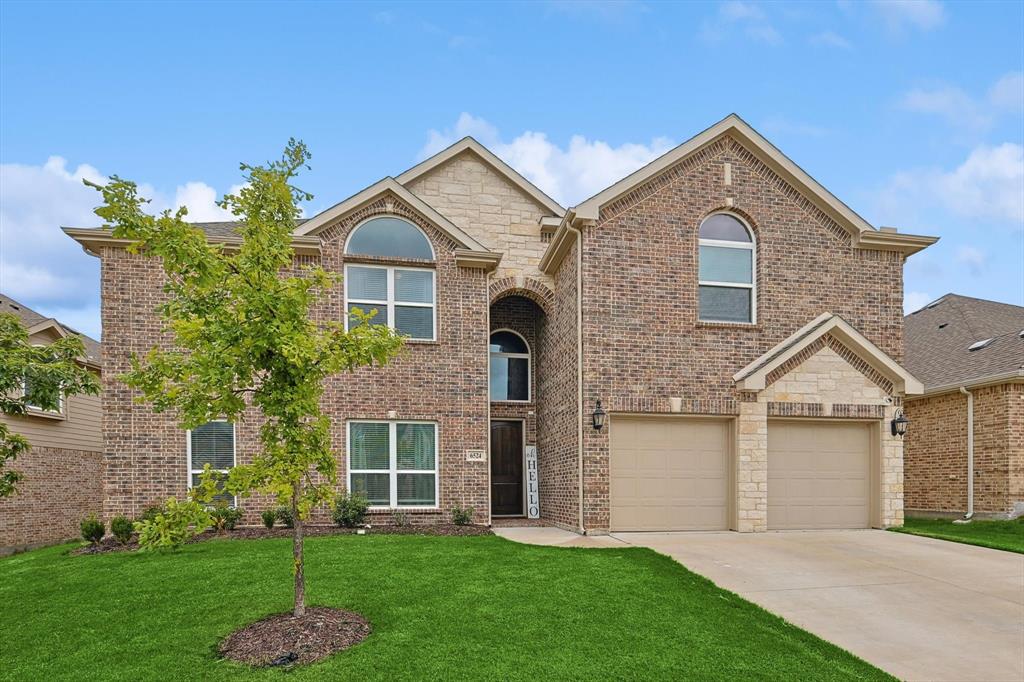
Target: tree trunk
[[300, 578]]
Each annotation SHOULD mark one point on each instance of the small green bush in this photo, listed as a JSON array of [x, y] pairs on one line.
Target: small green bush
[[284, 515], [121, 527], [92, 529], [149, 513], [350, 509], [462, 517], [269, 516], [400, 518], [225, 517]]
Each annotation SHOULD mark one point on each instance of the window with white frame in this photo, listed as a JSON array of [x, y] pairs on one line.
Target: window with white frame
[[403, 298], [393, 463], [33, 392], [212, 443], [389, 236], [510, 366], [727, 270]]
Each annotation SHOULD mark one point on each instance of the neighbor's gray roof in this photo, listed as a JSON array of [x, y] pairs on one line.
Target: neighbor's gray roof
[[30, 318], [936, 339], [216, 229]]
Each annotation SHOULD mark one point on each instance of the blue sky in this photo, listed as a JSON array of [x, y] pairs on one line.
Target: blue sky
[[911, 112]]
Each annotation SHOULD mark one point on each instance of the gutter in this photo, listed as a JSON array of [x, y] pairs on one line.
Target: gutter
[[970, 457], [1013, 376]]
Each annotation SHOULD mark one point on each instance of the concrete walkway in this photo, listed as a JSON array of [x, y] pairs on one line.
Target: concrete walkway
[[918, 608], [540, 535]]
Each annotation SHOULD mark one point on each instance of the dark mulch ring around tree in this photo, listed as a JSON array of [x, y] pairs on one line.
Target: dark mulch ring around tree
[[109, 544], [284, 640]]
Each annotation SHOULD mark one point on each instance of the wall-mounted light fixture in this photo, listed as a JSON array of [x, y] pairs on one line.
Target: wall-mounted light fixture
[[599, 416], [899, 424]]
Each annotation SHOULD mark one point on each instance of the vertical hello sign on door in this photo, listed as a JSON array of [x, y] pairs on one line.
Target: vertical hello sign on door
[[532, 486]]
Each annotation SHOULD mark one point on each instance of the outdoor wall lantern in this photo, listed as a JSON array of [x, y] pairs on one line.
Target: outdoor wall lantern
[[899, 424], [599, 416]]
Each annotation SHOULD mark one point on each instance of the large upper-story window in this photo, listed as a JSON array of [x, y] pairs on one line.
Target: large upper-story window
[[404, 297], [727, 269], [510, 367]]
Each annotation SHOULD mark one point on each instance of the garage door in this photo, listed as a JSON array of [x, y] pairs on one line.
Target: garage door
[[668, 474], [818, 475]]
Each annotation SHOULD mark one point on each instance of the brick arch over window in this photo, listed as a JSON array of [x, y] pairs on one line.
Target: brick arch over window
[[737, 210], [387, 205], [526, 287]]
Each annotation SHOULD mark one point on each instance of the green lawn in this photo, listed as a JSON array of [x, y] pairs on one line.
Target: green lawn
[[441, 608], [1007, 535]]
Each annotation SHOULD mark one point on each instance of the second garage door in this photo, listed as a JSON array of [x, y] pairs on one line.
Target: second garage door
[[669, 474], [818, 475]]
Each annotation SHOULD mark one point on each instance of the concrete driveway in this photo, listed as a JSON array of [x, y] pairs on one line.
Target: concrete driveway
[[919, 608]]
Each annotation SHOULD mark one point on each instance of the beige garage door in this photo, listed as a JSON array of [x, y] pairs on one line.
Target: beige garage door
[[818, 475], [669, 474]]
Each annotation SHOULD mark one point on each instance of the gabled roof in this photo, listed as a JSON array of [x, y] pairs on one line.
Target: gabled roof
[[35, 323], [469, 145], [470, 254], [753, 376], [937, 339], [864, 234]]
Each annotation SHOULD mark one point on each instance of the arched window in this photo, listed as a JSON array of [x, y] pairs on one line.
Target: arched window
[[727, 270], [403, 297], [389, 236], [510, 367]]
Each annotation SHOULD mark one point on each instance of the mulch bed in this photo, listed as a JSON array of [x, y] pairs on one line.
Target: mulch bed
[[109, 544], [284, 640]]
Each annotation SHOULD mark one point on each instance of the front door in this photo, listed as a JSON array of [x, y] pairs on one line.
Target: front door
[[506, 468]]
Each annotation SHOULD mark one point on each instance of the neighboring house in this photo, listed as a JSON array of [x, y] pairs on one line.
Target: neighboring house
[[64, 469], [741, 327], [970, 355]]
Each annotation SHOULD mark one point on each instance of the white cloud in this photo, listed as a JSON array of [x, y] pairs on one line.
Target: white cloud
[[988, 187], [1008, 92], [961, 110], [830, 39], [972, 257], [915, 300], [901, 14], [746, 16], [568, 174], [44, 268]]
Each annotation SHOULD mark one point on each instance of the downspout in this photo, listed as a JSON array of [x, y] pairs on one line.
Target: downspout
[[579, 364], [970, 457]]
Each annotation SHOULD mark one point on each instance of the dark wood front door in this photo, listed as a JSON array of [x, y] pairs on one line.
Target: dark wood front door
[[506, 468]]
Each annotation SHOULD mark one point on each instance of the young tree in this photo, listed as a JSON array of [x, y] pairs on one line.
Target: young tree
[[244, 336], [40, 376]]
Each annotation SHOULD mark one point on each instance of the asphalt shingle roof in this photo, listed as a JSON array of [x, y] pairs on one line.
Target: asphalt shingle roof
[[31, 318], [937, 338]]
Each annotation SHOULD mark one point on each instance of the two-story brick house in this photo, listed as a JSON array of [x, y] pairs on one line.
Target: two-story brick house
[[733, 329]]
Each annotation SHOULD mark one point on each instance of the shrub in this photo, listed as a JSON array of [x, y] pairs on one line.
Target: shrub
[[173, 525], [225, 517], [121, 527], [268, 516], [400, 518], [149, 513], [350, 509], [284, 515], [92, 529], [462, 517]]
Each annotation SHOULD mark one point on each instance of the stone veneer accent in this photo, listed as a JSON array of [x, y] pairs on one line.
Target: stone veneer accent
[[935, 460], [61, 487]]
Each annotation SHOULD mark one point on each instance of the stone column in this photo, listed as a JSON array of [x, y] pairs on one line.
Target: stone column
[[891, 479], [752, 468]]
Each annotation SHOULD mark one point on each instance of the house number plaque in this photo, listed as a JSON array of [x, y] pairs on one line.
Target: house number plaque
[[476, 456]]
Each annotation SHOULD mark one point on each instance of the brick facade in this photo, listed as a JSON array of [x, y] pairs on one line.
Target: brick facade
[[622, 328], [61, 487], [935, 460], [643, 342]]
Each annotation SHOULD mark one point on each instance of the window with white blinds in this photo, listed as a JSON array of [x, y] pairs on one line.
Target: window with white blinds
[[212, 443], [393, 464], [403, 298]]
